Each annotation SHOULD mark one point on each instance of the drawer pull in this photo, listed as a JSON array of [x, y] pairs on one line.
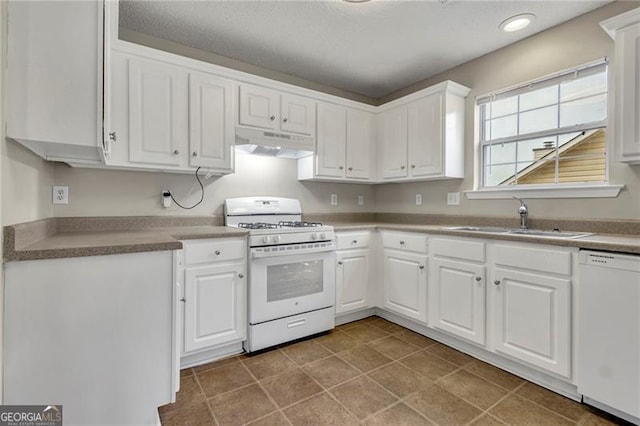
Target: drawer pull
[[497, 282], [401, 243], [354, 242], [183, 300], [478, 278], [421, 266], [240, 276], [217, 252], [297, 323], [340, 262]]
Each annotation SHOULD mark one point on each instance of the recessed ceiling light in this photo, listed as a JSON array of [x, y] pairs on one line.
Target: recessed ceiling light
[[517, 22]]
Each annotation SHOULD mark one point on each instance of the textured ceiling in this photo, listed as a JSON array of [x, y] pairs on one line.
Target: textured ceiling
[[369, 48]]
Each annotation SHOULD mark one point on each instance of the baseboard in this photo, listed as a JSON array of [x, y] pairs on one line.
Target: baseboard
[[209, 355]]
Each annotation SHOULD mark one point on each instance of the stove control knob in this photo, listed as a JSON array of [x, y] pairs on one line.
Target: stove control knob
[[276, 238], [314, 236], [323, 236], [265, 239]]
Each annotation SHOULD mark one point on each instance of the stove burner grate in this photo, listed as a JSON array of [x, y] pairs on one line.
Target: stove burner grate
[[257, 225], [298, 224]]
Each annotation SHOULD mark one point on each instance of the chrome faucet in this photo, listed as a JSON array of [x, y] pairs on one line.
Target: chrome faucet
[[523, 211]]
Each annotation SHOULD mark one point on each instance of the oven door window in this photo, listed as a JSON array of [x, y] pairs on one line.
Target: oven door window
[[287, 281]]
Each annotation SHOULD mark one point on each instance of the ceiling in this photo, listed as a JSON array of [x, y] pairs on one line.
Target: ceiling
[[371, 48]]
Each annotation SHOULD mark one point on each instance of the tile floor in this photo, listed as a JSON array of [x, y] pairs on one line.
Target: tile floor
[[369, 372]]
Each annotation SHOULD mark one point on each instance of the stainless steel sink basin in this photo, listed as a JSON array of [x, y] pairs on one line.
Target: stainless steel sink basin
[[518, 231]]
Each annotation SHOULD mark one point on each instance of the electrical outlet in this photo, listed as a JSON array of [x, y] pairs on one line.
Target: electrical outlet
[[166, 199], [60, 195], [418, 199], [361, 200], [334, 199], [453, 198]]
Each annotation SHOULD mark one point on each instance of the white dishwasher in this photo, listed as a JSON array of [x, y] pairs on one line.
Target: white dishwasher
[[608, 306]]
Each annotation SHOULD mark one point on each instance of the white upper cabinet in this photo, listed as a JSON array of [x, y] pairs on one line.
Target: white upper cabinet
[[168, 117], [54, 79], [422, 135], [344, 145], [625, 29], [158, 112], [280, 112], [211, 134], [393, 138]]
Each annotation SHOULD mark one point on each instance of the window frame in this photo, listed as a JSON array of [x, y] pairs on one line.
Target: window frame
[[548, 190]]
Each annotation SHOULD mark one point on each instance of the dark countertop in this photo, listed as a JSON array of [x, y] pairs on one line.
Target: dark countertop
[[75, 237]]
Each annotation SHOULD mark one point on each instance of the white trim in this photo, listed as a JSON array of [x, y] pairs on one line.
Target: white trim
[[612, 25], [547, 191]]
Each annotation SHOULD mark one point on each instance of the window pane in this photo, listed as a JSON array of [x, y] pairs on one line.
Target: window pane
[[586, 86], [495, 175], [562, 139], [583, 110], [504, 107], [539, 172], [534, 149], [582, 169], [500, 154], [539, 119], [503, 127], [539, 98]]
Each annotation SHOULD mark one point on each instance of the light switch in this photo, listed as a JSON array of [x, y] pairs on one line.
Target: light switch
[[334, 199], [361, 200]]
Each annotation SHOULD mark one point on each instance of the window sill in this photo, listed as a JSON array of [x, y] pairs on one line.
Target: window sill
[[543, 191]]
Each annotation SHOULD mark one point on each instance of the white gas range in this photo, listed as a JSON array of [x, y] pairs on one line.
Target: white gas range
[[291, 284]]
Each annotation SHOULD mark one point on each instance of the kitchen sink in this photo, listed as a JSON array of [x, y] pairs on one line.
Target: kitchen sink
[[519, 231]]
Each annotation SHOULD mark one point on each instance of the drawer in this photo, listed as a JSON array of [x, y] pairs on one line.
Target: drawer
[[459, 249], [542, 259], [352, 240], [404, 241], [213, 250]]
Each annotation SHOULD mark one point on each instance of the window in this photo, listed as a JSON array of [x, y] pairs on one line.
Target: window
[[547, 132]]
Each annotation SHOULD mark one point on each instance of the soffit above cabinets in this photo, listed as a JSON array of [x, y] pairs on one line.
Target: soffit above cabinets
[[370, 48]]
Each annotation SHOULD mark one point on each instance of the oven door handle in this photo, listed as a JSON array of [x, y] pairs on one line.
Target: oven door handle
[[278, 251]]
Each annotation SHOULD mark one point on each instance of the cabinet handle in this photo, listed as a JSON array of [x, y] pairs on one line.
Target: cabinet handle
[[354, 242], [273, 117], [497, 282], [195, 154], [240, 276], [402, 167], [350, 168], [183, 300], [285, 119], [341, 167], [413, 166], [339, 262], [112, 136], [421, 266], [478, 278], [176, 152], [217, 252], [401, 243]]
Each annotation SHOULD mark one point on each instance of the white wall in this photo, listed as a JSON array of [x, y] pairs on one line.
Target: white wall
[[573, 43], [115, 193]]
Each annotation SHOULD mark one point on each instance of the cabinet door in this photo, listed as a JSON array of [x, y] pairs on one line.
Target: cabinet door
[[457, 298], [533, 319], [214, 309], [352, 280], [259, 107], [332, 139], [405, 284], [393, 148], [425, 136], [298, 115], [359, 144], [628, 93], [211, 132], [158, 112]]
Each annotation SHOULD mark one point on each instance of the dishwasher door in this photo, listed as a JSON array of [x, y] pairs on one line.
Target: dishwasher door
[[609, 331]]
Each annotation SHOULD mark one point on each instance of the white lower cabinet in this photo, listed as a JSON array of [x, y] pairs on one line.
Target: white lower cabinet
[[532, 318], [353, 289], [457, 298], [214, 293], [404, 285]]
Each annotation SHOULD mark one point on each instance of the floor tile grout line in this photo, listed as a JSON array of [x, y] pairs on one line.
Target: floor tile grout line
[[542, 406], [213, 415]]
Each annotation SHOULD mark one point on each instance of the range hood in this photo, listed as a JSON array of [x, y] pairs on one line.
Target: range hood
[[273, 144]]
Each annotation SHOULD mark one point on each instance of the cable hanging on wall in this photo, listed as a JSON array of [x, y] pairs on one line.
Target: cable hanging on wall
[[201, 196]]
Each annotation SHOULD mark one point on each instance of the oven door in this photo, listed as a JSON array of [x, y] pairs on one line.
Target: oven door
[[287, 284]]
